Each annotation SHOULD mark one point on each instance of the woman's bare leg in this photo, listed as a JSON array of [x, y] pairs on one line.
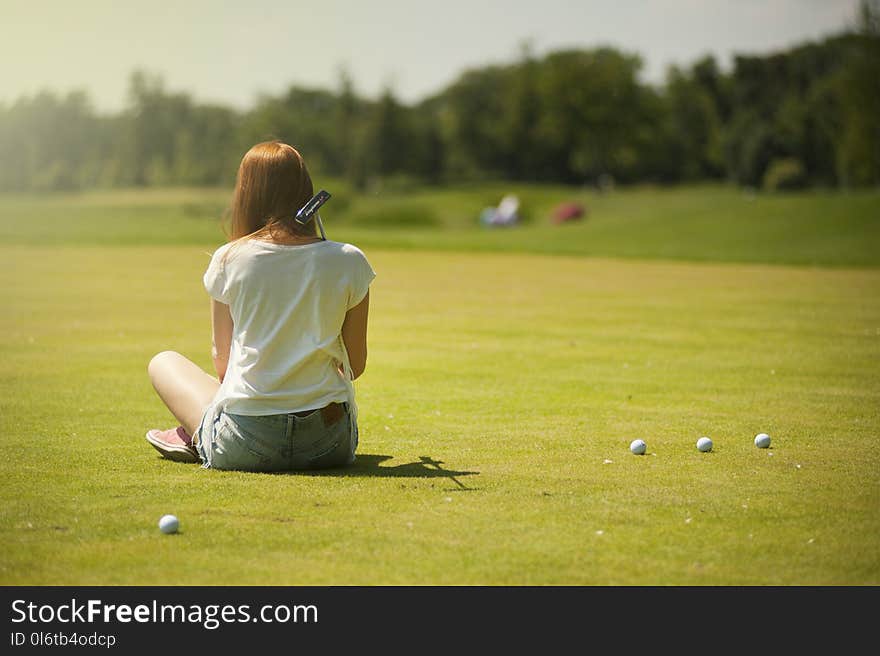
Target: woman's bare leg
[[183, 386]]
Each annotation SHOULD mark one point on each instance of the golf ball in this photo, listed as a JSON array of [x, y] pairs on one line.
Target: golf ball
[[168, 524], [638, 447], [704, 444], [762, 440]]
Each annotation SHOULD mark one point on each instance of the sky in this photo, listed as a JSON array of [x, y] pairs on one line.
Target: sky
[[230, 52]]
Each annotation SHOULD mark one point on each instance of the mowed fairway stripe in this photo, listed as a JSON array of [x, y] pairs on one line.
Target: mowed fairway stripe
[[501, 394]]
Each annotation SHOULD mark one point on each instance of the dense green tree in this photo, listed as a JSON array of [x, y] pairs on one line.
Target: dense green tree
[[387, 147], [428, 142], [696, 125], [859, 145], [350, 112], [592, 108], [304, 118], [473, 106], [52, 142], [806, 115], [524, 155]]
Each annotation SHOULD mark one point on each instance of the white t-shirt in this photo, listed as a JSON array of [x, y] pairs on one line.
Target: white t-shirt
[[288, 303]]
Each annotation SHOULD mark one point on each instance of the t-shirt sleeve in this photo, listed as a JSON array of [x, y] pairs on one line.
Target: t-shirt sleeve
[[215, 276], [362, 275]]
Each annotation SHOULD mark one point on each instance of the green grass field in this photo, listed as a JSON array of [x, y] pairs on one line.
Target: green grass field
[[707, 224], [503, 389]]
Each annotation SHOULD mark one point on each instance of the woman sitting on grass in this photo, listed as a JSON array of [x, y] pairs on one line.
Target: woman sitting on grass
[[289, 316]]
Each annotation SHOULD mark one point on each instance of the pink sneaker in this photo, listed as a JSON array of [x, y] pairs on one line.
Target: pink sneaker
[[174, 443]]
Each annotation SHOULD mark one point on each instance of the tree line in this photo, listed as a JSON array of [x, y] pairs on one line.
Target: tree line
[[806, 116]]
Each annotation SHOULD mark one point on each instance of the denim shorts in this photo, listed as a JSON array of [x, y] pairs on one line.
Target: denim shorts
[[285, 442]]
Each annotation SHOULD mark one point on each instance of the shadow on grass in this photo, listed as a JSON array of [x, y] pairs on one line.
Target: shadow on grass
[[370, 465]]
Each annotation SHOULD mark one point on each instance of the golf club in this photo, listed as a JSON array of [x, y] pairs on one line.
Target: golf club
[[310, 210]]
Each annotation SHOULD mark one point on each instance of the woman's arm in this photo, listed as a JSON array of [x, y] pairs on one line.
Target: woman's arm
[[354, 335], [221, 336]]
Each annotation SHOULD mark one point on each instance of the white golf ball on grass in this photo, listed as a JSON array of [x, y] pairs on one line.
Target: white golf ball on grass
[[638, 447], [704, 444], [762, 440], [169, 524]]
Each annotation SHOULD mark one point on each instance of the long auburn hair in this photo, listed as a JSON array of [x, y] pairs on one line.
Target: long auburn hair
[[272, 185]]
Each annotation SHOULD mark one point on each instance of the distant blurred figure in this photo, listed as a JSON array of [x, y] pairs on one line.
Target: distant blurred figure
[[506, 214], [566, 212], [605, 183]]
